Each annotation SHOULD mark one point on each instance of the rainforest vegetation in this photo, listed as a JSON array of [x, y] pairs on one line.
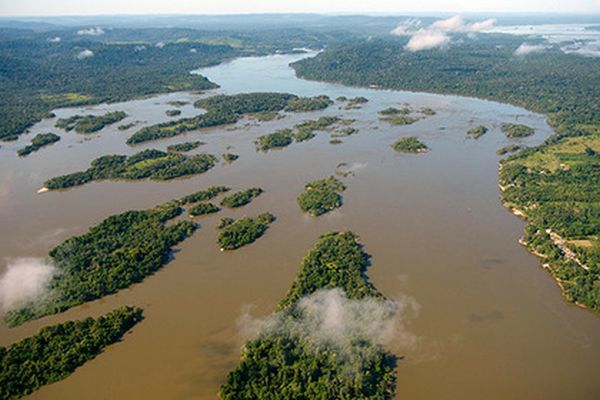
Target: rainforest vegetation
[[120, 251], [230, 157], [228, 109], [56, 351], [306, 130], [517, 130], [147, 164], [40, 140], [511, 148], [293, 365], [203, 209], [243, 231], [477, 131], [321, 196], [242, 198], [90, 123], [409, 144], [184, 147], [278, 139], [172, 113], [553, 185], [204, 195]]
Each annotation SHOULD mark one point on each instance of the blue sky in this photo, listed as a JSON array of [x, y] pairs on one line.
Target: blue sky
[[95, 7]]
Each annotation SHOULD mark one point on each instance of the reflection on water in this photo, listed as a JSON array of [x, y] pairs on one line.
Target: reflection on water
[[492, 324]]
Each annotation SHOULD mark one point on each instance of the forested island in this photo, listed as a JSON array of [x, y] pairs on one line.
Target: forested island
[[477, 131], [321, 196], [553, 186], [120, 251], [204, 195], [184, 147], [278, 139], [517, 130], [353, 103], [203, 209], [172, 113], [306, 130], [229, 109], [292, 362], [511, 148], [147, 164], [242, 198], [230, 157], [397, 116], [40, 140], [89, 123], [235, 234], [56, 351], [410, 144]]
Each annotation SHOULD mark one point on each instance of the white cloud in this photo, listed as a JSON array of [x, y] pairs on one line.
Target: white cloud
[[450, 24], [436, 35], [85, 54], [91, 31], [327, 318], [25, 279], [427, 39], [160, 45], [407, 27], [525, 49], [55, 39]]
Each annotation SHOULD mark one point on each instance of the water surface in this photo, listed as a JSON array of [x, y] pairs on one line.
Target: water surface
[[492, 324]]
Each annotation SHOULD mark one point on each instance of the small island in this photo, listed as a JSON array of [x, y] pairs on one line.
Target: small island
[[242, 198], [279, 139], [172, 113], [477, 131], [147, 164], [230, 157], [509, 149], [184, 147], [243, 231], [321, 196], [203, 209], [427, 111], [353, 103], [56, 351], [89, 123], [306, 130], [204, 195], [397, 116], [410, 144], [514, 131], [40, 140]]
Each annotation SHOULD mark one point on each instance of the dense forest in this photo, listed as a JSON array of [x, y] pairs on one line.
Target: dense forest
[[120, 251], [184, 147], [553, 185], [147, 164], [242, 198], [276, 140], [409, 144], [228, 109], [74, 73], [90, 123], [290, 364], [40, 140], [321, 196], [56, 351], [235, 234]]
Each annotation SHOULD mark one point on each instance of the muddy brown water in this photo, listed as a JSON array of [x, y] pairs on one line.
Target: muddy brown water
[[491, 323]]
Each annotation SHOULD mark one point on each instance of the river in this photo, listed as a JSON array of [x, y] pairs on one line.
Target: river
[[491, 324]]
